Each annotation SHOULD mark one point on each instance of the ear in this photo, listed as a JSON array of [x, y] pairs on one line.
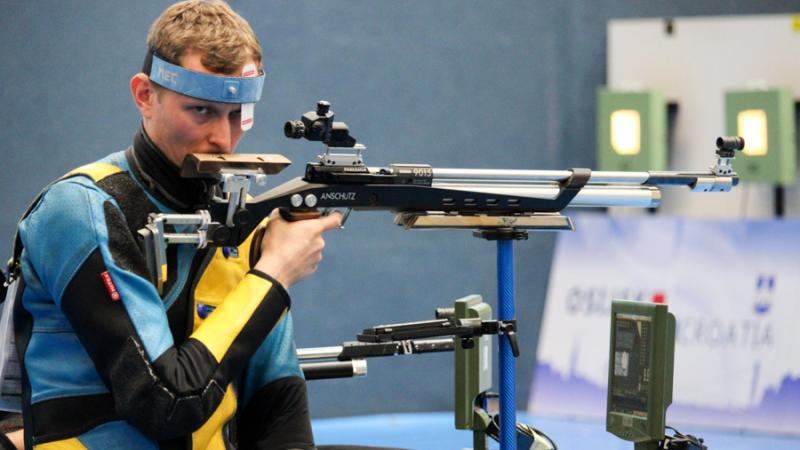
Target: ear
[[143, 93]]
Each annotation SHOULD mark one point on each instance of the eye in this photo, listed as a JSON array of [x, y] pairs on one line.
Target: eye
[[199, 109]]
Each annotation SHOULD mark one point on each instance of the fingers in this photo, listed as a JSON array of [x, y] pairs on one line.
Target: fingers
[[328, 222], [291, 251], [331, 221]]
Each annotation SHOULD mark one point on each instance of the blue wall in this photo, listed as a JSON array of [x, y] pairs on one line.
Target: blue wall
[[452, 83]]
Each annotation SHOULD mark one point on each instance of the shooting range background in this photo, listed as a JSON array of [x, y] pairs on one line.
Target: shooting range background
[[450, 83]]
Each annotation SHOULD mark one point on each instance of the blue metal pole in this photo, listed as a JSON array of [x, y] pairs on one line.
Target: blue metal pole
[[505, 307]]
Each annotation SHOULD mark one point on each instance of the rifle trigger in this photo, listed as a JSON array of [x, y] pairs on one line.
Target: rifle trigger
[[345, 216]]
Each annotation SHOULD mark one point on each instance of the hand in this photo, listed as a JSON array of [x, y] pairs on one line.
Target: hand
[[291, 251], [16, 438]]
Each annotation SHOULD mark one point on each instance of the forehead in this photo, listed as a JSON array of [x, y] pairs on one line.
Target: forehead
[[193, 60]]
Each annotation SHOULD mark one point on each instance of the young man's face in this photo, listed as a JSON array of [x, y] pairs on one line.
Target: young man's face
[[180, 125]]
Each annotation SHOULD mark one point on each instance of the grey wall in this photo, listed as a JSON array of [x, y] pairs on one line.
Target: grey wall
[[450, 83]]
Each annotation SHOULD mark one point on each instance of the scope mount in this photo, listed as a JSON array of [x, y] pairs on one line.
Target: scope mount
[[726, 151], [341, 150]]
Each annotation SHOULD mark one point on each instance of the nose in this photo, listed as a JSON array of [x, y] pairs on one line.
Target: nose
[[220, 136]]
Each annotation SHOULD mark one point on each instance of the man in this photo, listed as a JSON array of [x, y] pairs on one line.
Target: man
[[108, 362]]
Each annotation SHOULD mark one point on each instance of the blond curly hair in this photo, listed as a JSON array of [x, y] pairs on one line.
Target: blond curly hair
[[210, 27]]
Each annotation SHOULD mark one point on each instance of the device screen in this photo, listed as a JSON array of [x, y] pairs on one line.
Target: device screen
[[630, 387]]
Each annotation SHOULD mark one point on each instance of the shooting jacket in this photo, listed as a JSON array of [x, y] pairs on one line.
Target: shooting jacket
[[108, 363]]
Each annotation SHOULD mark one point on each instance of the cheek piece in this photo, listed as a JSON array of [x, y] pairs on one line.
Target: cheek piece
[[245, 90]]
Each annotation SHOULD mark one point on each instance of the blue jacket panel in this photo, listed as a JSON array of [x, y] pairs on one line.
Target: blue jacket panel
[[85, 347]]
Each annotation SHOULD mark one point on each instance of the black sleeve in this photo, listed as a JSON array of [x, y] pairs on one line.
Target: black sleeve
[[277, 418], [174, 393]]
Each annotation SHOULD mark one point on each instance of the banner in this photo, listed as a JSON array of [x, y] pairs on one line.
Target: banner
[[734, 288]]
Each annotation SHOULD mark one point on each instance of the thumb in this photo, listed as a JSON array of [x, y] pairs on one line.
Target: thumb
[[275, 215]]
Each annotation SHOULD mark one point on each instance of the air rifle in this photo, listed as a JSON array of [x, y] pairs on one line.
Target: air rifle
[[421, 196], [465, 330]]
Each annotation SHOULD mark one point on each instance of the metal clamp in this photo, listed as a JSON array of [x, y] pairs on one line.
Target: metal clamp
[[343, 156], [509, 329], [724, 166], [236, 186], [713, 184], [155, 239]]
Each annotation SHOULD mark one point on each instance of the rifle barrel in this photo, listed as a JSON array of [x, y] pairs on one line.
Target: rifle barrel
[[654, 178], [319, 352]]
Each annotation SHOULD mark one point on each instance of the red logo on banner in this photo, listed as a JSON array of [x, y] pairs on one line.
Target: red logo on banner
[[112, 290]]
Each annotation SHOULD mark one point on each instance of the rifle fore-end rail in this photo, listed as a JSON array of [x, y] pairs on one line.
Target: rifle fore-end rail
[[425, 197], [482, 195]]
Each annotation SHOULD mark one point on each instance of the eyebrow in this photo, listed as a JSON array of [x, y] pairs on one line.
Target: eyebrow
[[213, 106]]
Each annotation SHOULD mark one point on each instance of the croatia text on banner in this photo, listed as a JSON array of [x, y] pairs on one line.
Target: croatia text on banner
[[734, 287]]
